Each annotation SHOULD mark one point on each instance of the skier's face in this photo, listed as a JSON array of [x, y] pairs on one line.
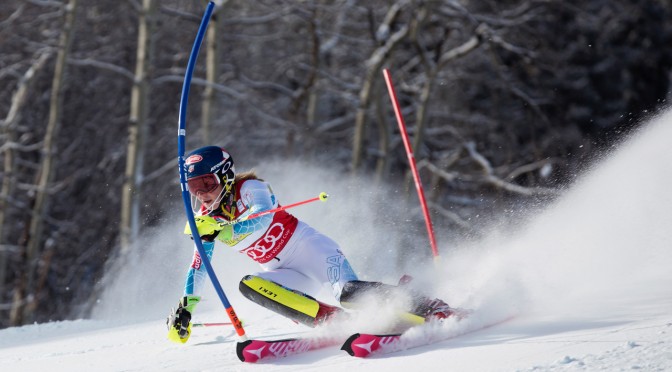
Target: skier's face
[[208, 199]]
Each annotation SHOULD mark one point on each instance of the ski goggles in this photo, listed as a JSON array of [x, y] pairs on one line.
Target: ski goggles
[[203, 184]]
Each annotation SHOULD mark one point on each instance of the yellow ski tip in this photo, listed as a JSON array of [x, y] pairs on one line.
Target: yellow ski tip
[[323, 196]]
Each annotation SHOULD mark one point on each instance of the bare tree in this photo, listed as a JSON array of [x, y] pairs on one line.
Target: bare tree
[[137, 130], [47, 168], [19, 100], [211, 71], [433, 66], [373, 65]]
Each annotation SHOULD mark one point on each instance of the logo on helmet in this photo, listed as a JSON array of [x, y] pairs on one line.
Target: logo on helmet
[[193, 159], [216, 166]]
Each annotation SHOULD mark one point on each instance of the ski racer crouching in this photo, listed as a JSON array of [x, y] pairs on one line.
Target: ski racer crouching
[[296, 259]]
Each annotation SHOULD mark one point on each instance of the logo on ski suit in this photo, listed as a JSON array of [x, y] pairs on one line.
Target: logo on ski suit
[[269, 245], [196, 262]]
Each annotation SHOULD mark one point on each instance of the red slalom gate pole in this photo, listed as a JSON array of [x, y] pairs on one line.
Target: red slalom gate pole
[[411, 160]]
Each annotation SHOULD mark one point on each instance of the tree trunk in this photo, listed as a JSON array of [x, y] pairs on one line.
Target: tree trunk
[[374, 64], [425, 94], [47, 167], [421, 114], [19, 99], [384, 133], [137, 130], [310, 89], [211, 73]]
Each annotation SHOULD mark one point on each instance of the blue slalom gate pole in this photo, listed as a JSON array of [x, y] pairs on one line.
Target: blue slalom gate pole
[[181, 139]]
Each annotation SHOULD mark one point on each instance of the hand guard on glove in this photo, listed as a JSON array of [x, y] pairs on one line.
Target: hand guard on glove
[[179, 321], [210, 227]]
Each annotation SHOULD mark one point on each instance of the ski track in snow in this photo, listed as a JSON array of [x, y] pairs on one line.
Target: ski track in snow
[[588, 281]]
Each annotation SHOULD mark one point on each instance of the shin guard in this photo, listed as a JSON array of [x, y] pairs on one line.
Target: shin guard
[[292, 304]]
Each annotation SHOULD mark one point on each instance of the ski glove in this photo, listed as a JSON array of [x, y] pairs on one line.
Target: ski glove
[[179, 320], [209, 227]]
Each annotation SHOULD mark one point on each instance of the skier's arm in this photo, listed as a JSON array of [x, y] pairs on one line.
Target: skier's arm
[[196, 274], [179, 321]]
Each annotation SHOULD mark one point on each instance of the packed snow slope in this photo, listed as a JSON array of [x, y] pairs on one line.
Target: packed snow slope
[[588, 281]]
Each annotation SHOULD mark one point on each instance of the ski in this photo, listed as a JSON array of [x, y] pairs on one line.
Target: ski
[[253, 351], [362, 345]]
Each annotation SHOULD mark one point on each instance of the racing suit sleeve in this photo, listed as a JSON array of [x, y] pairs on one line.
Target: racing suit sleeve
[[256, 196], [196, 274]]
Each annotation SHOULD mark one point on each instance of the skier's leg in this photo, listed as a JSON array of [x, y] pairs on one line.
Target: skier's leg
[[415, 307], [320, 259], [287, 302]]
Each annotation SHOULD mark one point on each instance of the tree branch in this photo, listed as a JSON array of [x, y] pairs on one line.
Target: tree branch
[[104, 66], [492, 179]]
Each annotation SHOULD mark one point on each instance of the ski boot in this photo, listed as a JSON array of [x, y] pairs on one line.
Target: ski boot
[[437, 309]]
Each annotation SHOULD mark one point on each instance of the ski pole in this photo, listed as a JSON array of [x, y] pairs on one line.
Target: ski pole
[[322, 197], [210, 324], [411, 160], [181, 139]]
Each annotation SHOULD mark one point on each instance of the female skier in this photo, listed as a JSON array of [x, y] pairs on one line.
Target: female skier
[[296, 259]]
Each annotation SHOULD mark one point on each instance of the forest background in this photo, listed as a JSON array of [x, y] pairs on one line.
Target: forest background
[[506, 102]]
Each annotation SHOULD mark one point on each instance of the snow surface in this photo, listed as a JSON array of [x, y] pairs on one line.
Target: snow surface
[[588, 281]]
